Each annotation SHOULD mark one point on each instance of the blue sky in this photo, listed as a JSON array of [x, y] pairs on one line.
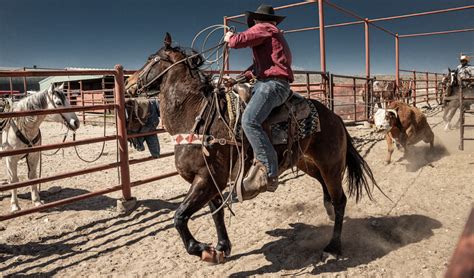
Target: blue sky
[[93, 33]]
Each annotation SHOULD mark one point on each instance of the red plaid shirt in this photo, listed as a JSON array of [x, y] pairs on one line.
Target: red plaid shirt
[[271, 54]]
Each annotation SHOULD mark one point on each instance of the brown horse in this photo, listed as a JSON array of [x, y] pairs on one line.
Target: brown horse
[[183, 94]]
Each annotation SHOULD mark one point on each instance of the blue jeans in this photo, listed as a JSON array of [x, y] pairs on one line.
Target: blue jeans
[[267, 94]]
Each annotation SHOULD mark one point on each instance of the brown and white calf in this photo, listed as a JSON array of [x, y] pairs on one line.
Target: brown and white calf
[[404, 125]]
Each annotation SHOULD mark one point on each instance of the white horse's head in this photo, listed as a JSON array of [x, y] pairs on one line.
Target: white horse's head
[[452, 78], [57, 99]]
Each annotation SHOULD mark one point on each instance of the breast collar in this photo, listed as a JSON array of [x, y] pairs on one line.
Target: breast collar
[[23, 138]]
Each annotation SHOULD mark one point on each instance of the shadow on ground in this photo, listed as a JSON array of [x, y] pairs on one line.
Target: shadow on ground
[[86, 242], [364, 240], [96, 203]]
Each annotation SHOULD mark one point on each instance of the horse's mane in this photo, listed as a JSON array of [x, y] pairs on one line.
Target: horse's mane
[[35, 101], [197, 61], [32, 102], [195, 65]]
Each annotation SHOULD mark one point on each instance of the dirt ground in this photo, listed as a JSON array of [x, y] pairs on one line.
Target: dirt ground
[[276, 234]]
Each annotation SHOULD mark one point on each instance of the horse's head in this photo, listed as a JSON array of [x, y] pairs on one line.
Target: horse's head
[[149, 78], [451, 81], [57, 99], [452, 78]]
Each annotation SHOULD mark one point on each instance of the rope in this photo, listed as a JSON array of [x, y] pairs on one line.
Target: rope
[[103, 145], [203, 46], [178, 62], [56, 151]]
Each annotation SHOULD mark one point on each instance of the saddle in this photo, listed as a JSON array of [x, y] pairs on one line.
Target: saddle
[[288, 123], [295, 119], [137, 112]]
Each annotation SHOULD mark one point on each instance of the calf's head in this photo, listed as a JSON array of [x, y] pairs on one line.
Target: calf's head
[[385, 119]]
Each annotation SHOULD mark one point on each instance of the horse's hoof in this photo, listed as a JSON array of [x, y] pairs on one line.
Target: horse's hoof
[[213, 256], [15, 208], [38, 203], [328, 257], [387, 162]]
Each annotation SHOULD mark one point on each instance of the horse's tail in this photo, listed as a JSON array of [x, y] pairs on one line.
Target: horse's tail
[[358, 172]]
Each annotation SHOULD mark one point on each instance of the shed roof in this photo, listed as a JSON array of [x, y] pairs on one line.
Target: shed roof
[[45, 83]]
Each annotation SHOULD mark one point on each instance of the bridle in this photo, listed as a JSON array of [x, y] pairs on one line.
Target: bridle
[[142, 86], [50, 99]]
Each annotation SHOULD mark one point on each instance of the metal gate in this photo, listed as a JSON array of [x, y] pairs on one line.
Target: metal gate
[[351, 97], [462, 115]]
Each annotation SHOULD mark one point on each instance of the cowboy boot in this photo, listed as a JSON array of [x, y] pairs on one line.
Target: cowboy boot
[[258, 181]]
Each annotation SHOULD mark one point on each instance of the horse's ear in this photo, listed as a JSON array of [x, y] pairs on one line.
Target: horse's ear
[[167, 40], [449, 69], [61, 87]]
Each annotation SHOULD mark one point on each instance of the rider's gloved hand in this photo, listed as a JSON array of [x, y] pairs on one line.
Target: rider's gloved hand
[[229, 81], [228, 35]]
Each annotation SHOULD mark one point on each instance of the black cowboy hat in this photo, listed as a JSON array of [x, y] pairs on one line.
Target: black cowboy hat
[[263, 13]]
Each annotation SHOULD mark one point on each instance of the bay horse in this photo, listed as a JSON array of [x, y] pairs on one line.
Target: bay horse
[[183, 94], [24, 132]]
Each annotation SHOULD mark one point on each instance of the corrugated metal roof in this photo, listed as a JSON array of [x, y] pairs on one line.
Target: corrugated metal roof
[[45, 83]]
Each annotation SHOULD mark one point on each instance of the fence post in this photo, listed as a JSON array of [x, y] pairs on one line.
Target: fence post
[[307, 86], [414, 88], [397, 62], [461, 119], [436, 88], [355, 98], [225, 53], [82, 102], [322, 36], [69, 91], [370, 92], [25, 86], [427, 90], [122, 134], [368, 97], [367, 48], [11, 88], [330, 80]]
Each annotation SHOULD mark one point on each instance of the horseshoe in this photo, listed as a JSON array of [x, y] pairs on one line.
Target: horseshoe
[[213, 256]]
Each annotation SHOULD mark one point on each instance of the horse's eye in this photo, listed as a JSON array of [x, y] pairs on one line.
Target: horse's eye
[[58, 103]]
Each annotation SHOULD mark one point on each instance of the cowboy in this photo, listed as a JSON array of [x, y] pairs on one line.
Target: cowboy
[[464, 60], [464, 70], [273, 74]]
